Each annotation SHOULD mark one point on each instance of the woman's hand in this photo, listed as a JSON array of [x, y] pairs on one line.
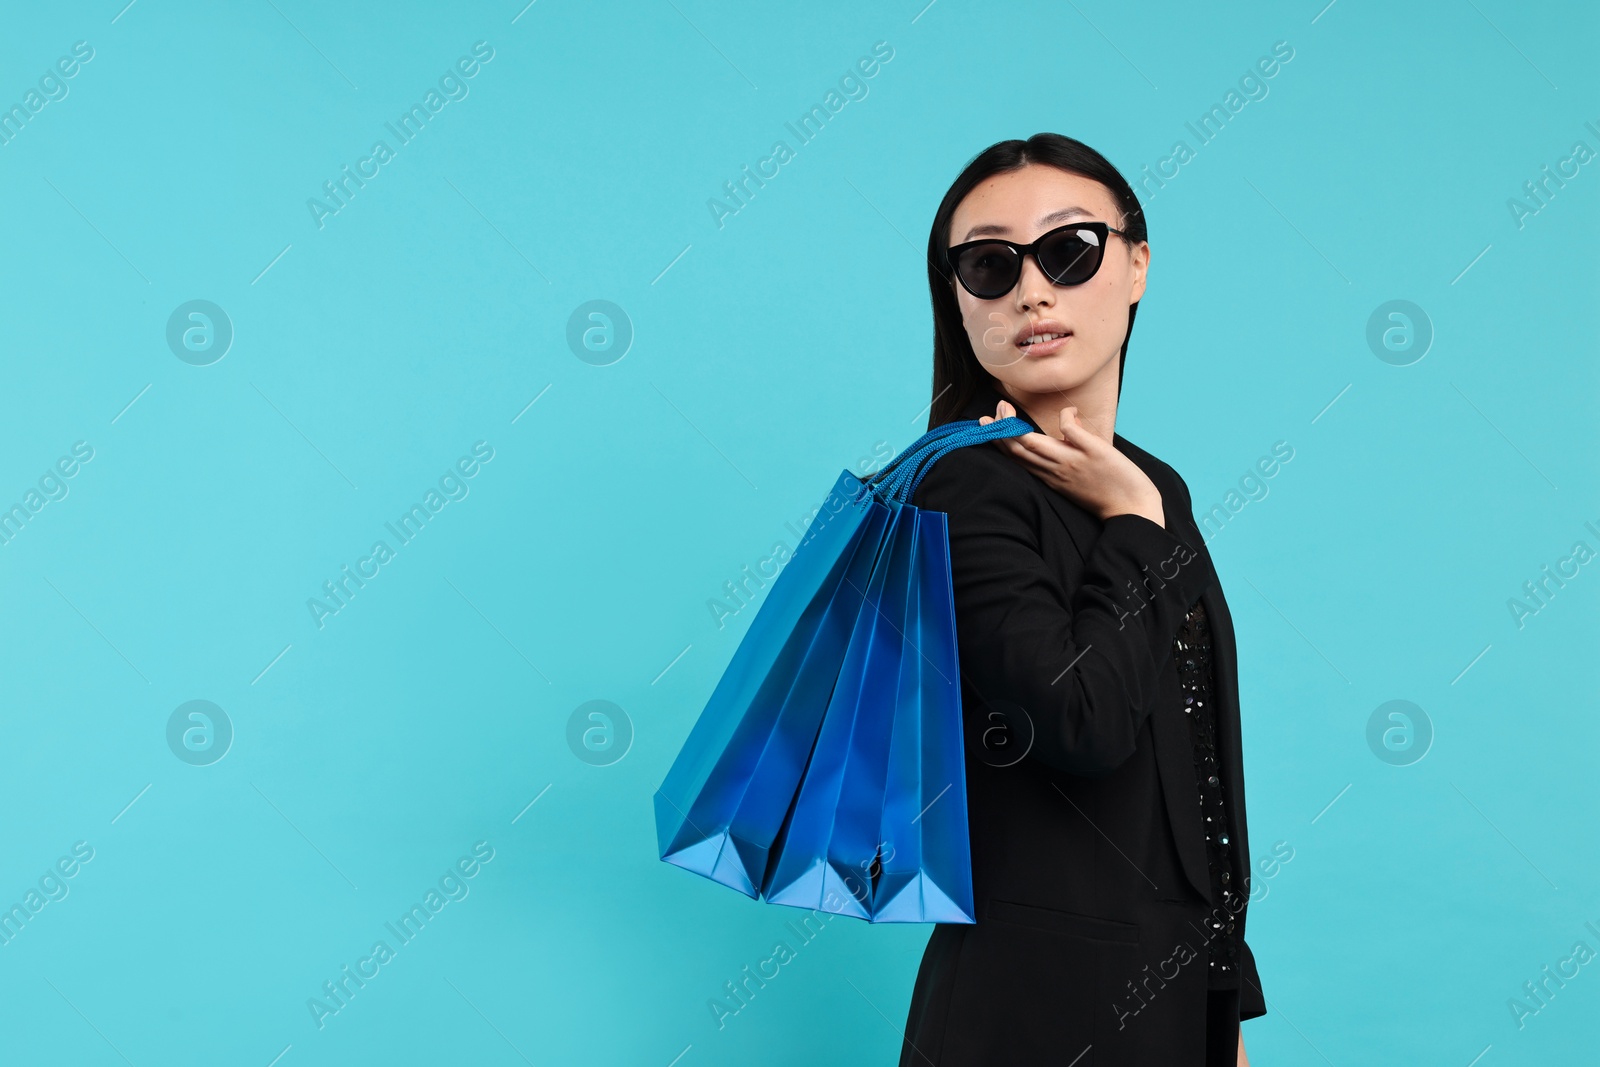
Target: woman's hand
[[1084, 467]]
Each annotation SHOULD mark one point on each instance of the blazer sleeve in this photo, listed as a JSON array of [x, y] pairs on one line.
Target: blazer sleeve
[[1080, 666], [1252, 1003]]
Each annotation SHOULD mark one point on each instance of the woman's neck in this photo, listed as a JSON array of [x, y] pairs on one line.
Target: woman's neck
[[1097, 407]]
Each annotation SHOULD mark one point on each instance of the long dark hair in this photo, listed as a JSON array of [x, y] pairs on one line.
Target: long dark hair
[[956, 370]]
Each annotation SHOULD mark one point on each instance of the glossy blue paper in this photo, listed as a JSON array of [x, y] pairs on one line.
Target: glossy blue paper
[[826, 770], [927, 861], [725, 798], [826, 857]]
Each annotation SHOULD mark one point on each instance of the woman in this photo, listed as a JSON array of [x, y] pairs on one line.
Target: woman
[[1104, 779]]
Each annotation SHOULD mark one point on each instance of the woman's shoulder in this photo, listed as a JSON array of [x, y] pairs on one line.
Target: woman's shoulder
[[977, 476]]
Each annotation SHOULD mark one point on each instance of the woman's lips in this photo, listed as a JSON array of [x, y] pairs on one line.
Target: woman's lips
[[1044, 348]]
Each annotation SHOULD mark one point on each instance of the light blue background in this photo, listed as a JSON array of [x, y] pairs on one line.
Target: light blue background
[[430, 311]]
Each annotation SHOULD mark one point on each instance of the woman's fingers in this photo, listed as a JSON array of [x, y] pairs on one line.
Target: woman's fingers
[[1020, 451], [1049, 449], [1086, 443], [1011, 445], [1030, 442], [1073, 431], [1040, 453]]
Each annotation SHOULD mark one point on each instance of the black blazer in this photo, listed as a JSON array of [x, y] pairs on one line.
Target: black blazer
[[1088, 856]]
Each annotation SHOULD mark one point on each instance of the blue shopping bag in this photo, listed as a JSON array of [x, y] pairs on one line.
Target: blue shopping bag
[[826, 857], [925, 863], [726, 796], [828, 646]]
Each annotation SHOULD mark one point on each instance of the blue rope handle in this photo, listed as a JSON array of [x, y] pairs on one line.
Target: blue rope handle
[[894, 488], [922, 453], [926, 441], [994, 431], [918, 458]]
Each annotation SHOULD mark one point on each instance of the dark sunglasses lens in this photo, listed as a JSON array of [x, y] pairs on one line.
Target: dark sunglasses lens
[[988, 270], [1071, 257]]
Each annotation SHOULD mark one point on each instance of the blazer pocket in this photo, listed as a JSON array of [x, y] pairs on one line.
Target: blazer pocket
[[1057, 921]]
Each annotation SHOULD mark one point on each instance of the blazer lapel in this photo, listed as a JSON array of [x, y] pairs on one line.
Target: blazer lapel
[[1173, 731], [1174, 739]]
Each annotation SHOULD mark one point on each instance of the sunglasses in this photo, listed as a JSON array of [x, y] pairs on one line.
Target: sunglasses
[[1068, 255]]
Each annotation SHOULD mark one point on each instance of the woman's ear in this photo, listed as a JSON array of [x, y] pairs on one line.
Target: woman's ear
[[1140, 261]]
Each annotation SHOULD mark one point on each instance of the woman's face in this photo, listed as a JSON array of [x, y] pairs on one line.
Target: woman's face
[[1018, 206]]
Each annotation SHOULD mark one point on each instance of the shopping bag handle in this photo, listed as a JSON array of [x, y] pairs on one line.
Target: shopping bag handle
[[898, 481], [932, 437]]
